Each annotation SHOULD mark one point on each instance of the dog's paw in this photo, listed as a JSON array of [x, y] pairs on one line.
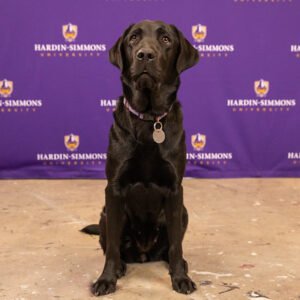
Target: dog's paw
[[103, 287], [121, 271], [183, 285]]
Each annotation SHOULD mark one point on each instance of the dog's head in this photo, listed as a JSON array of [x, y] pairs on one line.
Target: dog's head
[[151, 55]]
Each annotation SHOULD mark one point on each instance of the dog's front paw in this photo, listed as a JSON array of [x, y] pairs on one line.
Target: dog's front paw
[[103, 286], [183, 284]]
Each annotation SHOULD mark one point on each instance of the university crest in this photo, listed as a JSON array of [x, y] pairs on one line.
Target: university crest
[[71, 141], [6, 88], [70, 32], [261, 87], [198, 141], [199, 32]]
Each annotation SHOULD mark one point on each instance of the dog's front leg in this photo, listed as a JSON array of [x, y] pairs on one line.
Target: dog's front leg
[[177, 265], [114, 268]]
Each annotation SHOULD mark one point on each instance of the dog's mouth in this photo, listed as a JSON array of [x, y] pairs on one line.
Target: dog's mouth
[[145, 79], [144, 74]]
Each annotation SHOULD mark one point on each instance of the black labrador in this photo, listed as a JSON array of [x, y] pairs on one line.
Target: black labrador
[[144, 218]]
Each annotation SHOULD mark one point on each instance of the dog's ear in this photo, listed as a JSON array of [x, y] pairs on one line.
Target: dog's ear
[[188, 56], [116, 53]]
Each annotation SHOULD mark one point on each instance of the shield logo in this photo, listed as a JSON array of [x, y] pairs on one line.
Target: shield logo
[[198, 141], [6, 88], [70, 32], [199, 32], [71, 141], [261, 88]]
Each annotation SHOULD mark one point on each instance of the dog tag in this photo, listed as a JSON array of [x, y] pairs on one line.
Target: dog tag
[[158, 133]]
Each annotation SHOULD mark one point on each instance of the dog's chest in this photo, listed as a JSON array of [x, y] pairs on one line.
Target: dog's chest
[[148, 166]]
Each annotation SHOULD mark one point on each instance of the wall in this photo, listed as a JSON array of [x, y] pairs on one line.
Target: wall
[[58, 89]]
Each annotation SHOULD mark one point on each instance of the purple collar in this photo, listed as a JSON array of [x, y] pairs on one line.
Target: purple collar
[[144, 116]]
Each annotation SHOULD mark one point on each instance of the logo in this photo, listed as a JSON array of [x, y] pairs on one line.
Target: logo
[[108, 104], [70, 32], [15, 105], [295, 49], [6, 88], [198, 141], [199, 32], [71, 142], [201, 157], [69, 48], [261, 103], [261, 88], [71, 157], [294, 158]]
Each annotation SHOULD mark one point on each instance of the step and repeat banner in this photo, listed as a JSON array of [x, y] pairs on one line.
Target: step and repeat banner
[[58, 90]]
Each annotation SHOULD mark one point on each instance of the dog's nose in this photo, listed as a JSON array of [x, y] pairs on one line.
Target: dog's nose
[[145, 54]]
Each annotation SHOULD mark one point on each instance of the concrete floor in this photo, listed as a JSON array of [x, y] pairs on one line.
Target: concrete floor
[[243, 241]]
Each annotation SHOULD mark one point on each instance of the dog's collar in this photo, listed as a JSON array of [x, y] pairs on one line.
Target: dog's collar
[[145, 117]]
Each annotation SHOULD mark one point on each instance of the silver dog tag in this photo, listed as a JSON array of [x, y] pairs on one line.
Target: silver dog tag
[[158, 133]]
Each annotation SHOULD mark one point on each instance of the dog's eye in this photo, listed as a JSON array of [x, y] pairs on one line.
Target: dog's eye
[[133, 38], [166, 39]]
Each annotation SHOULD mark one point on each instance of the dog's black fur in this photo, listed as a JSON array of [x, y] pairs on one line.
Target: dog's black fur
[[144, 218], [140, 241]]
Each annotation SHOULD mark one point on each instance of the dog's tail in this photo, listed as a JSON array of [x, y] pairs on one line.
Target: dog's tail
[[91, 229]]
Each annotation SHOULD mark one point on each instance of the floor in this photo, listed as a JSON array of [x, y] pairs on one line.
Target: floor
[[243, 241]]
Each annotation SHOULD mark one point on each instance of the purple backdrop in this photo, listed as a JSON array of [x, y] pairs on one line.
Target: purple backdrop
[[58, 89]]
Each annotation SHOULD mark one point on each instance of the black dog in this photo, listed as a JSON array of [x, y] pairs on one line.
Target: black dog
[[144, 218]]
